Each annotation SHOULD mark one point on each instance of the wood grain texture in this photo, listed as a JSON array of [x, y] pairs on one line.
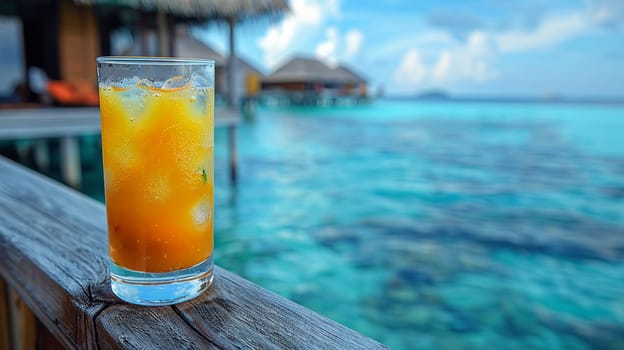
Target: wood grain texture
[[239, 314], [4, 317], [23, 324], [54, 254], [45, 339], [53, 248], [151, 328]]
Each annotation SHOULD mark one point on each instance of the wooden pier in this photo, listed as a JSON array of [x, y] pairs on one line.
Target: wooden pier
[[54, 279], [69, 124]]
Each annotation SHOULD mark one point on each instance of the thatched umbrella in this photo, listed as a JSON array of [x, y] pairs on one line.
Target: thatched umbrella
[[200, 9], [171, 11]]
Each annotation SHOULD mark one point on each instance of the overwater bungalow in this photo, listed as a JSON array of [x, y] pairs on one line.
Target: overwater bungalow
[[308, 81], [62, 38]]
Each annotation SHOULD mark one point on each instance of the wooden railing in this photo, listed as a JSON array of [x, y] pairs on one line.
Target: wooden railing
[[54, 262]]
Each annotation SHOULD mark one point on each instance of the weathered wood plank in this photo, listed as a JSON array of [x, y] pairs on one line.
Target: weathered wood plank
[[224, 317], [154, 328], [23, 324], [54, 241], [52, 246], [55, 255]]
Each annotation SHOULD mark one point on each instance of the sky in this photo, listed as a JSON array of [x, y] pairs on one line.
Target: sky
[[528, 48], [478, 47]]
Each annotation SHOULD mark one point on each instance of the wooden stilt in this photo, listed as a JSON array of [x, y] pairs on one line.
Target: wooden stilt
[[161, 23], [171, 30], [70, 161], [42, 155], [232, 100], [22, 147], [143, 34], [231, 66], [233, 161]]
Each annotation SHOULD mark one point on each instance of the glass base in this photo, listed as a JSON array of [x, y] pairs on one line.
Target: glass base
[[155, 289]]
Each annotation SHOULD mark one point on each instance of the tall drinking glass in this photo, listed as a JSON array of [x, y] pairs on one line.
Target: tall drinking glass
[[157, 119]]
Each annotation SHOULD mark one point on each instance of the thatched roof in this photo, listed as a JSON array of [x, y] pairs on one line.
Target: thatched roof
[[188, 46], [300, 69], [348, 75], [310, 70], [245, 66], [185, 45], [201, 9]]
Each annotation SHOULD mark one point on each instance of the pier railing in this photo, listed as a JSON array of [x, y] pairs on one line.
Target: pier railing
[[54, 283], [69, 123]]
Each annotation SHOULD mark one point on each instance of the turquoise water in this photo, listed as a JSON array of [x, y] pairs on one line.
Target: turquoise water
[[436, 225], [432, 225]]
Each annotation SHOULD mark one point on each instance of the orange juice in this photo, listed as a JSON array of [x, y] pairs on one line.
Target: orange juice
[[157, 147]]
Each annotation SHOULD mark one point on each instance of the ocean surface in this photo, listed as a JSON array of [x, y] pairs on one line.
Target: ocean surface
[[434, 225]]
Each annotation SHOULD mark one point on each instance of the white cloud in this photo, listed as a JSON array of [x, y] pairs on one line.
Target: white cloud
[[480, 43], [551, 30], [305, 17], [411, 70], [442, 69], [326, 50], [425, 41], [478, 57], [335, 47], [332, 7], [472, 61], [443, 61], [609, 13], [353, 40]]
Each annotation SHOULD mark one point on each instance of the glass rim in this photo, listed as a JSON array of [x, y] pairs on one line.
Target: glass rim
[[152, 60]]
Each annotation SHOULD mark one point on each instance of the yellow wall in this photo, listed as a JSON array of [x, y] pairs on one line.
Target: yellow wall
[[253, 84], [79, 42]]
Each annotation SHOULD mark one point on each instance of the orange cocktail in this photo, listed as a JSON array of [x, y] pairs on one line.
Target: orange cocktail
[[158, 172], [157, 145]]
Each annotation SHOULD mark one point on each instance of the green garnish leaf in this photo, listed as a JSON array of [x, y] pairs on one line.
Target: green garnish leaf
[[204, 176]]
